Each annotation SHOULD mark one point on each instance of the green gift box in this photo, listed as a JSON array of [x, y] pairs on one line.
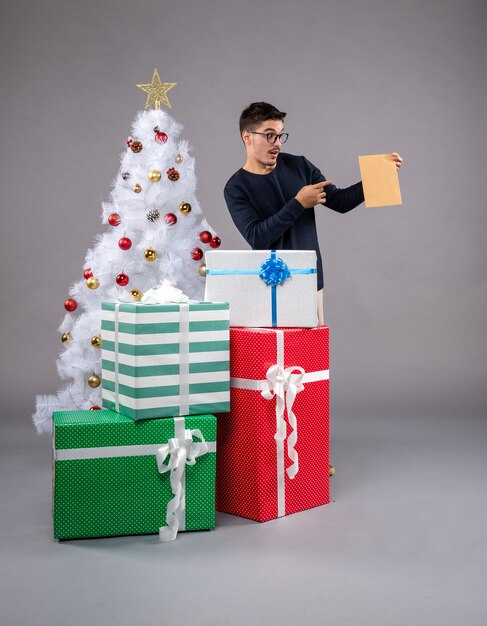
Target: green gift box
[[160, 360], [114, 476]]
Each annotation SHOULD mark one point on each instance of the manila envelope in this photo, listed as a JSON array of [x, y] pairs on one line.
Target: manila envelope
[[380, 180]]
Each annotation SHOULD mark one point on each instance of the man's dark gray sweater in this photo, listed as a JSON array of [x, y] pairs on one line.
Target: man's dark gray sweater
[[266, 212]]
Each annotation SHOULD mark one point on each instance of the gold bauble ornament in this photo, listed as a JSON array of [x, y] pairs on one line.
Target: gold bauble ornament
[[137, 188], [154, 176], [332, 470], [66, 337], [179, 158], [93, 282], [185, 208], [96, 341], [136, 294], [94, 381], [202, 270], [150, 254]]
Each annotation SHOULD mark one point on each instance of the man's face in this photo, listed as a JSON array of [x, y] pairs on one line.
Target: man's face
[[258, 148]]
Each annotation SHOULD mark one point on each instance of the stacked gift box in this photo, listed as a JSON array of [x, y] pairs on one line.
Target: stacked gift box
[[146, 463], [253, 354], [273, 445]]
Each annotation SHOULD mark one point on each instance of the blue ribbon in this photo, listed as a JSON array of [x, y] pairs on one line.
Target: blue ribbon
[[273, 271]]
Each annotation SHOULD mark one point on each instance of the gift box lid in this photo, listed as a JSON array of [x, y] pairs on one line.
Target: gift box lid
[[140, 307], [96, 429], [254, 350], [247, 259]]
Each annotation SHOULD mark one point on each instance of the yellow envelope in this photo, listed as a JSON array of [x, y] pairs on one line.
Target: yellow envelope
[[380, 180]]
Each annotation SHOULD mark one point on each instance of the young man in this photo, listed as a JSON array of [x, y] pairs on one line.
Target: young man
[[272, 197]]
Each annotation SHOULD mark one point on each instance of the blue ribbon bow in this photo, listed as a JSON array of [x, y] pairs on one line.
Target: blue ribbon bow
[[274, 271]]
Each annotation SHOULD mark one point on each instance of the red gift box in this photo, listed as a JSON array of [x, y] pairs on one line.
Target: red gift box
[[273, 446]]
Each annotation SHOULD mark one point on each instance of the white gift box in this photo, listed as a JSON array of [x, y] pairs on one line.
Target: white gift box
[[272, 288]]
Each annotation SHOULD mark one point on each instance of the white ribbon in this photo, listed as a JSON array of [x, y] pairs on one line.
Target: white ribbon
[[164, 293], [184, 358], [115, 356], [182, 450], [284, 385]]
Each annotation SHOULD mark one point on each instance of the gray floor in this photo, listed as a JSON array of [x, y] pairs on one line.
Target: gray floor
[[403, 543]]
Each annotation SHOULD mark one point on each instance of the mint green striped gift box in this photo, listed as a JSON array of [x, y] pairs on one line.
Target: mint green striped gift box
[[108, 479], [160, 360]]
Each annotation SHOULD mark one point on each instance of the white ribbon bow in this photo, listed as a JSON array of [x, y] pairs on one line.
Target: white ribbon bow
[[181, 452], [284, 385], [164, 293]]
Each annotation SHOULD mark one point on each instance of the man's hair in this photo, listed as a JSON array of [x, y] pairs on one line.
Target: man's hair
[[258, 112]]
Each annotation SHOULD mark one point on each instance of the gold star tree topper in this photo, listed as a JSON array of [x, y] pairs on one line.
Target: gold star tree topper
[[156, 91]]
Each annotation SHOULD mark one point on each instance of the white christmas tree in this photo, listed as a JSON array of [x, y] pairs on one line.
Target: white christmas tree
[[155, 231]]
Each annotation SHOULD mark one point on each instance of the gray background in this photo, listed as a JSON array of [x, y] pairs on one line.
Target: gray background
[[405, 293]]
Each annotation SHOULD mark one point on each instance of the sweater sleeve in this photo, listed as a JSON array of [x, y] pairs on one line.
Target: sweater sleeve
[[340, 200], [259, 233]]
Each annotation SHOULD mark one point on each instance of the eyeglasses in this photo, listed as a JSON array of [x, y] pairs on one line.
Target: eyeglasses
[[272, 137]]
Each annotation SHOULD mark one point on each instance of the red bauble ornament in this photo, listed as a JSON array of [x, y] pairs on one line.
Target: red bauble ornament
[[87, 273], [125, 243], [114, 219], [161, 137], [70, 305], [170, 219], [122, 279], [205, 236], [95, 407], [216, 242], [197, 254]]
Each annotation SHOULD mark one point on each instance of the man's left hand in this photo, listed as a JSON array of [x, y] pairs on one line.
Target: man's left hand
[[397, 158]]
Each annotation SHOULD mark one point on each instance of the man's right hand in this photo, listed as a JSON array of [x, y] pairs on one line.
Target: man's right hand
[[311, 195]]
